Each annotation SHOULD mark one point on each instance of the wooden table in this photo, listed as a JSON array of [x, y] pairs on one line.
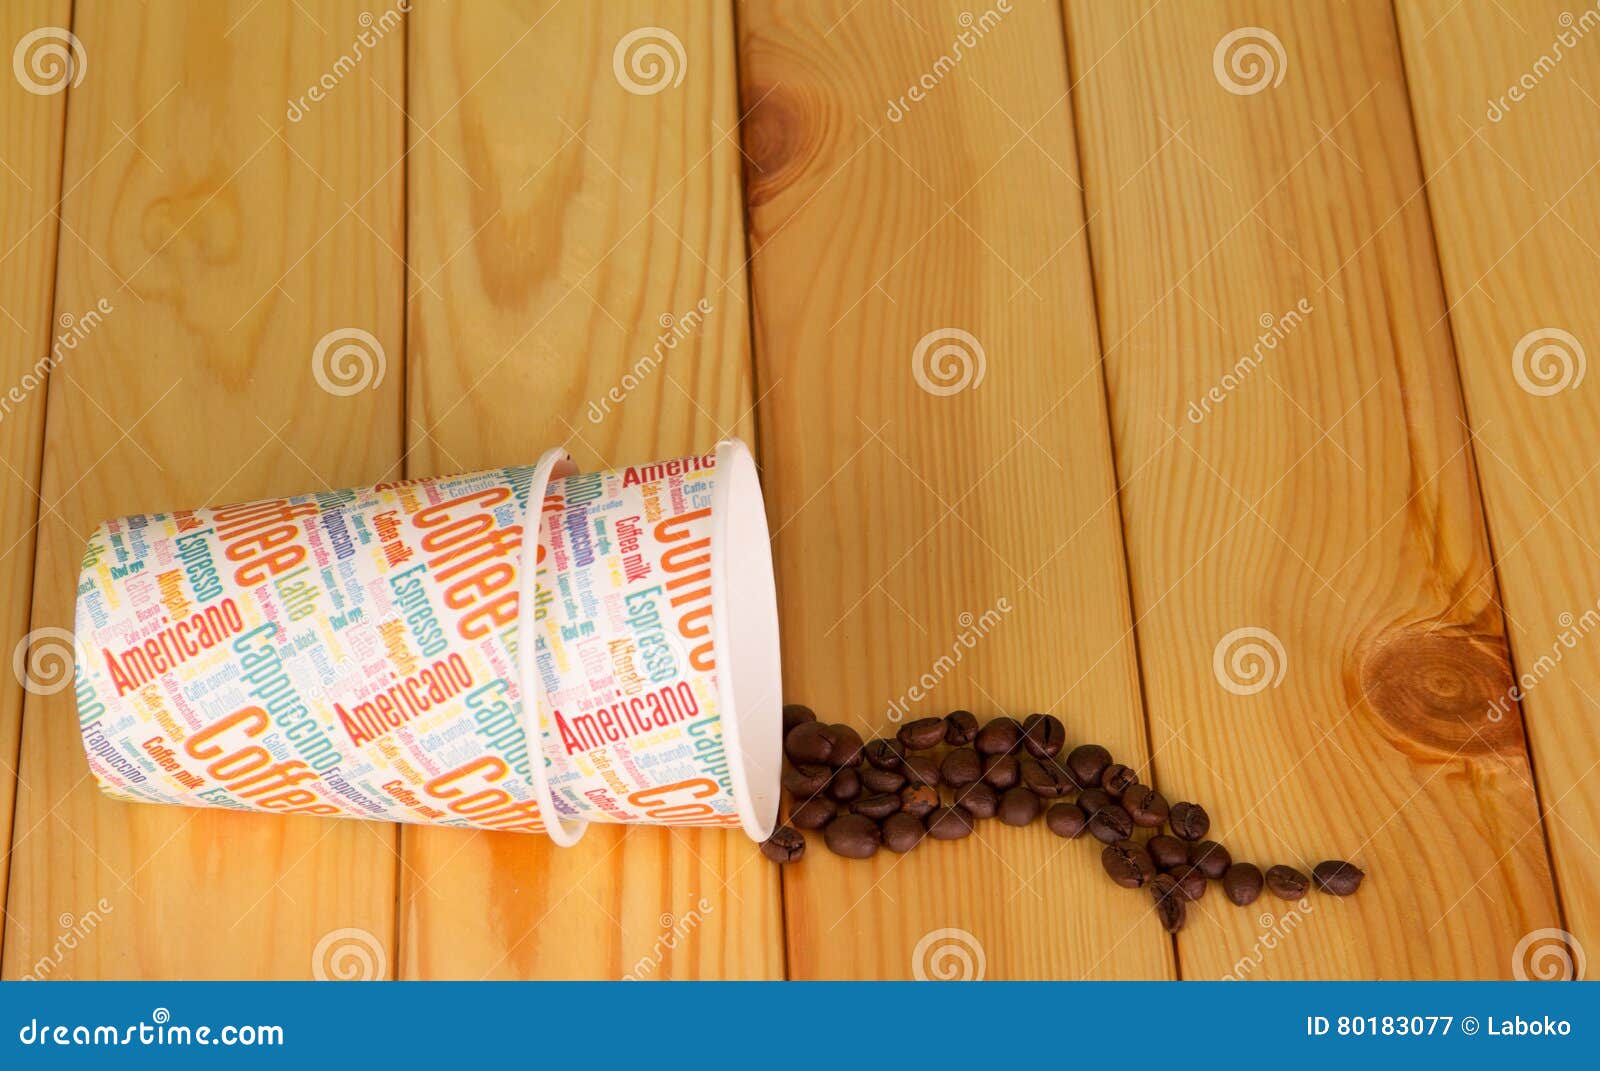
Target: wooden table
[[1208, 374]]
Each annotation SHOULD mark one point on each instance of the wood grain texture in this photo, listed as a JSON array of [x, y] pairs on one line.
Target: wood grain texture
[[1325, 493], [907, 518], [561, 224], [31, 126], [1515, 195], [227, 240]]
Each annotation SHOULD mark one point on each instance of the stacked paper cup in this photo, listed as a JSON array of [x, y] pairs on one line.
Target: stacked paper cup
[[406, 653]]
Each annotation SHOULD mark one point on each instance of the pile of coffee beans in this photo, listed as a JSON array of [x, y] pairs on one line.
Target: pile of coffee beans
[[939, 777]]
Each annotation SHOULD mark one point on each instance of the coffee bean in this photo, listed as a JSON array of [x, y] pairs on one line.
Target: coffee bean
[[1170, 908], [949, 823], [999, 736], [795, 714], [847, 746], [1242, 883], [845, 786], [1287, 883], [1002, 771], [1189, 821], [1110, 824], [1043, 735], [1117, 779], [1128, 864], [1146, 806], [1066, 820], [1018, 806], [874, 779], [960, 728], [1190, 881], [1094, 799], [804, 780], [1087, 762], [808, 742], [885, 753], [980, 800], [902, 832], [920, 770], [918, 800], [921, 734], [784, 846], [1338, 877], [1168, 852], [877, 807], [1212, 858], [961, 768], [814, 813], [1036, 779], [853, 836]]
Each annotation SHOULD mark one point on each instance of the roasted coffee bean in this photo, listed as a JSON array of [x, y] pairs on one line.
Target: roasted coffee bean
[[1093, 799], [980, 800], [920, 770], [1242, 883], [1146, 806], [1043, 735], [961, 768], [805, 780], [1170, 908], [1212, 858], [794, 714], [808, 742], [1117, 779], [1066, 820], [1018, 806], [1128, 864], [1189, 821], [784, 846], [847, 746], [874, 779], [885, 753], [1190, 881], [853, 836], [918, 800], [877, 807], [814, 813], [1087, 762], [902, 832], [1168, 852], [1002, 771], [921, 734], [1287, 883], [1036, 779], [1110, 824], [949, 823], [1338, 877], [960, 728], [999, 736], [845, 786]]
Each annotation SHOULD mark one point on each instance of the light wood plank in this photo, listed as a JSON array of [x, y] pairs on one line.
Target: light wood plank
[[229, 240], [555, 219], [903, 515], [1329, 498], [1514, 188]]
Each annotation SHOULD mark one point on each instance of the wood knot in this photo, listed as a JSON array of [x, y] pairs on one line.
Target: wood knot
[[1443, 689], [777, 142]]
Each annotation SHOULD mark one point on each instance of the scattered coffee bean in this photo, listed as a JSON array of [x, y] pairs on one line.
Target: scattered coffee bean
[[847, 746], [1170, 908], [1117, 779], [1066, 820], [1043, 735], [1242, 883], [1190, 881], [918, 800], [1019, 806], [960, 728], [1087, 762], [1038, 780], [980, 800], [1146, 806], [1094, 799], [845, 786], [1110, 824], [1189, 821], [853, 836], [814, 813], [884, 753], [877, 807], [1168, 852], [804, 780], [1338, 877], [808, 742], [1002, 771], [1287, 883], [1128, 864], [795, 714], [920, 770], [999, 737], [949, 823], [961, 768], [874, 779], [921, 734], [902, 832], [1212, 858], [784, 846]]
